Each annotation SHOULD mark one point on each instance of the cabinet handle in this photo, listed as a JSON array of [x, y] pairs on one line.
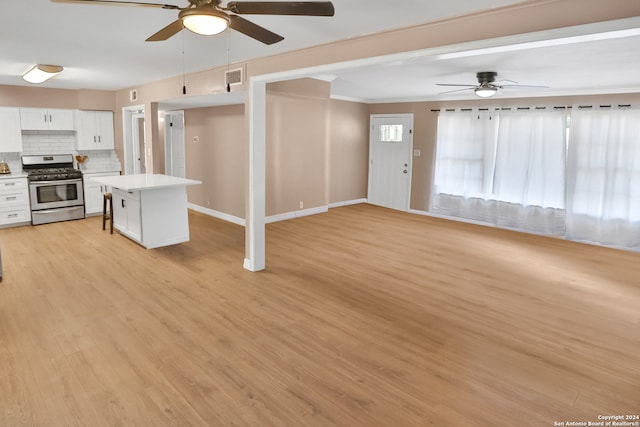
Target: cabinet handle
[[123, 205], [94, 138], [50, 118], [45, 118], [13, 215], [9, 184], [11, 198], [99, 140]]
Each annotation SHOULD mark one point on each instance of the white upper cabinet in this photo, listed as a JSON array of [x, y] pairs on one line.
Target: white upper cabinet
[[11, 134], [95, 130], [46, 119]]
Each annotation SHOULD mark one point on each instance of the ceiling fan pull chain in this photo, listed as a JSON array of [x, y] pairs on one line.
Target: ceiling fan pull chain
[[184, 83], [228, 49]]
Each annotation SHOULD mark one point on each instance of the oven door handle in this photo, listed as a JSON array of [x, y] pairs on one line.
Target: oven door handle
[[57, 181]]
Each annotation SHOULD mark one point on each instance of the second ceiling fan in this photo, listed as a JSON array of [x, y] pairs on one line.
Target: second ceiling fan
[[487, 85], [208, 17]]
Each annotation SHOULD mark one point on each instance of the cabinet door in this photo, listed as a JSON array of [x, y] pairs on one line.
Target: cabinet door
[[34, 119], [61, 119], [11, 140], [46, 119], [92, 197], [93, 192], [119, 210], [86, 135], [126, 213], [134, 224], [95, 130], [104, 130]]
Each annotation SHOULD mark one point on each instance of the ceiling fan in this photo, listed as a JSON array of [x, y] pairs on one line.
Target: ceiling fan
[[208, 17], [487, 85]]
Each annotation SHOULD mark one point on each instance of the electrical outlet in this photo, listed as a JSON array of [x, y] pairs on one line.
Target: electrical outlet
[[301, 205]]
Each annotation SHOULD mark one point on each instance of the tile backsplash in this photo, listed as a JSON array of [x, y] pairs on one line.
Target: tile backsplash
[[61, 142], [47, 142]]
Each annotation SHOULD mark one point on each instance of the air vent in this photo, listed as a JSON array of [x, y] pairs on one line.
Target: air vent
[[233, 77]]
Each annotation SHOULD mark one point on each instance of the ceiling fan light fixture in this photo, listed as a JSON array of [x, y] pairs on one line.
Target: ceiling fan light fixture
[[206, 22], [41, 73], [485, 90]]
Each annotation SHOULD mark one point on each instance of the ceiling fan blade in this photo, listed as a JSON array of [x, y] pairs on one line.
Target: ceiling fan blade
[[306, 8], [166, 32], [457, 90], [524, 86], [452, 84], [120, 3], [254, 30]]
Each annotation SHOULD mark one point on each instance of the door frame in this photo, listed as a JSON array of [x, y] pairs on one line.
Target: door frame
[[130, 138], [372, 135], [168, 141]]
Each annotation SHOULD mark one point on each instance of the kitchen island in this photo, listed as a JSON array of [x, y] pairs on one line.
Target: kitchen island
[[150, 209]]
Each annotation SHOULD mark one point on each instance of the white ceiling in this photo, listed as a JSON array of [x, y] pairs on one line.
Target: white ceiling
[[103, 47]]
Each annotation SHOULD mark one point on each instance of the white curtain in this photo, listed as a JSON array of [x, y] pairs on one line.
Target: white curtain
[[603, 177], [465, 159], [529, 178], [506, 168], [465, 153]]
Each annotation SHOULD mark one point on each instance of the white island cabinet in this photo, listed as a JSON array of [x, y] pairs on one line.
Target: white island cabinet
[[150, 209]]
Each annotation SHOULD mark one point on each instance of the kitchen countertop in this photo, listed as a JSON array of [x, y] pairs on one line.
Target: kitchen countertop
[[143, 181], [13, 175]]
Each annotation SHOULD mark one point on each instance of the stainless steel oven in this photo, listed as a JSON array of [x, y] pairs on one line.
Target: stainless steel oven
[[56, 190]]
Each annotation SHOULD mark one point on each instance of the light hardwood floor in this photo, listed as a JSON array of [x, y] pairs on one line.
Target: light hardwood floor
[[364, 317]]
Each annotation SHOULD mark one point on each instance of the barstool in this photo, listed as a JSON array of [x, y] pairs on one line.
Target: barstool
[[107, 215]]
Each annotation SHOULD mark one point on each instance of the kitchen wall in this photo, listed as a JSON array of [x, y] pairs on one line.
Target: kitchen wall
[[426, 120], [41, 97], [58, 142]]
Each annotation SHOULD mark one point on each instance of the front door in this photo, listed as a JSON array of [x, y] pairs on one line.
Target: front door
[[391, 146]]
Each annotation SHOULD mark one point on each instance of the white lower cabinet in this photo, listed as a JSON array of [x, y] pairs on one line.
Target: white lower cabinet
[[152, 217], [127, 213], [93, 192], [14, 201]]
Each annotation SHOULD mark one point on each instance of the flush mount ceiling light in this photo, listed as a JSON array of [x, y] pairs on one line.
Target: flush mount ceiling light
[[486, 90], [204, 21], [41, 73]]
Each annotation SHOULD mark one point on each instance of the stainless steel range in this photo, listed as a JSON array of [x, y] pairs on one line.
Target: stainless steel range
[[55, 188]]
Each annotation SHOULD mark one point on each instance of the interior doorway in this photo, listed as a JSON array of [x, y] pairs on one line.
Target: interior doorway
[[135, 141], [390, 156], [174, 158]]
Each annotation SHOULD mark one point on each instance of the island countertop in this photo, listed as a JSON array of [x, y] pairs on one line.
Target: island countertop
[[143, 181]]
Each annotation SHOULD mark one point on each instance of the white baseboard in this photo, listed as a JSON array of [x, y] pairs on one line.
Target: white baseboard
[[296, 214], [216, 214], [451, 218], [347, 203], [274, 218]]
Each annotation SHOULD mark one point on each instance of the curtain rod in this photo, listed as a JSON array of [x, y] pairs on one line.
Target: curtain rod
[[559, 107]]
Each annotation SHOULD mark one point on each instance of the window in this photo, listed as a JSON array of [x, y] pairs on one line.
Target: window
[[506, 168], [390, 133]]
